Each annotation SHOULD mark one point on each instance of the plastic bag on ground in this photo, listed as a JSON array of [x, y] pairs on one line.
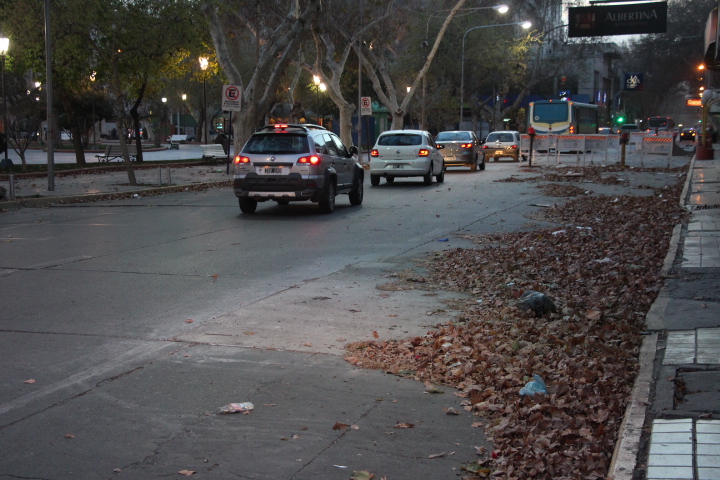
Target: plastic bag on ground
[[537, 302], [534, 386], [244, 407]]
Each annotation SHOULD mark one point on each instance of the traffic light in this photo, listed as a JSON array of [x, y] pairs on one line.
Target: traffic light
[[620, 119]]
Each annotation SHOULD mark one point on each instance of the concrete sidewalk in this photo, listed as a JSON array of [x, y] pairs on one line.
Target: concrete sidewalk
[[671, 428]]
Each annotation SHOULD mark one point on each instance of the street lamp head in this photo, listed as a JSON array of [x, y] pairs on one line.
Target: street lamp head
[[316, 80], [92, 76], [164, 99], [526, 25], [184, 96], [204, 62], [4, 45], [501, 8], [322, 87]]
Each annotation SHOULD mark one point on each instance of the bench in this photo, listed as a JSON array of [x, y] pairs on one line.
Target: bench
[[176, 140], [115, 151], [211, 153]]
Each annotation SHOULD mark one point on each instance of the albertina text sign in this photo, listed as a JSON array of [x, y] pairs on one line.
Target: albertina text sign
[[627, 19]]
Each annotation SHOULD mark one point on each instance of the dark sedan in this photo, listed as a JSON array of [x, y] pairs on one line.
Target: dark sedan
[[460, 148]]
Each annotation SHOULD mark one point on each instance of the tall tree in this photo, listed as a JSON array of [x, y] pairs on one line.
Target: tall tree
[[236, 28]]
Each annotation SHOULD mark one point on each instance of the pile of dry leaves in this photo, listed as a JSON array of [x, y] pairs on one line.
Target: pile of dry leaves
[[601, 266]]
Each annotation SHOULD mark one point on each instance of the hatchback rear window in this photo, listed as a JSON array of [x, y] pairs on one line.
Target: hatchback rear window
[[277, 143], [397, 140], [450, 136], [500, 137]]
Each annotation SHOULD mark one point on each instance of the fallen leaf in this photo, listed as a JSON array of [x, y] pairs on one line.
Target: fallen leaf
[[476, 425], [355, 311], [404, 425], [393, 315], [189, 320], [339, 339], [451, 411], [430, 388], [307, 344], [376, 334], [362, 475], [355, 427], [340, 426], [437, 455], [214, 277], [69, 435], [187, 473], [32, 380], [248, 333]]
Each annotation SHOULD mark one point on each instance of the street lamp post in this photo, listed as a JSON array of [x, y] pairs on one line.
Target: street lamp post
[[317, 82], [203, 67], [525, 25], [425, 45], [4, 46], [92, 79], [180, 122]]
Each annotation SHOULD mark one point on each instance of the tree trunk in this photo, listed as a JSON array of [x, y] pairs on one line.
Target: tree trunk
[[69, 107], [136, 120]]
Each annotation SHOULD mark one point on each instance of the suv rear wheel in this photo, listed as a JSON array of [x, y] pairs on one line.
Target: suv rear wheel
[[327, 203], [247, 205]]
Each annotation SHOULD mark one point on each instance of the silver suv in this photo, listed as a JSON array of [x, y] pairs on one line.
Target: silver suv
[[288, 163]]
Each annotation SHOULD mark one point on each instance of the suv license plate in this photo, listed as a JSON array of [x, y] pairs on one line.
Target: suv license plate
[[450, 158], [273, 169], [397, 165]]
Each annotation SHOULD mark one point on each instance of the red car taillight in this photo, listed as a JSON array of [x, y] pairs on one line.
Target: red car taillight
[[313, 160], [466, 145], [239, 159], [485, 147], [374, 153], [513, 147], [424, 152]]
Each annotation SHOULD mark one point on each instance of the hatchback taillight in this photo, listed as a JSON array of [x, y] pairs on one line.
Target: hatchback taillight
[[312, 160], [424, 152], [466, 145], [239, 159], [513, 147], [374, 153], [485, 147]]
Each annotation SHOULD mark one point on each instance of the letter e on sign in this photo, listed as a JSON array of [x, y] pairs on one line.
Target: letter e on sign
[[365, 106]]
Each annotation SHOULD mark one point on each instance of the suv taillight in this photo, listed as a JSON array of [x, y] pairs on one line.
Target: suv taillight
[[374, 153], [313, 160], [239, 159], [424, 152]]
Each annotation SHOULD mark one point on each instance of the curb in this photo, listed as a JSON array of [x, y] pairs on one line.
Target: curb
[[624, 459], [90, 197]]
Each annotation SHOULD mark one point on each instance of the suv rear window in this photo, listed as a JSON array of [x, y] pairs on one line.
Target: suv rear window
[[397, 140], [277, 143], [500, 137]]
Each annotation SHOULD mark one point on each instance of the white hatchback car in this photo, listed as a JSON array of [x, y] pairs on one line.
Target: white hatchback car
[[406, 153]]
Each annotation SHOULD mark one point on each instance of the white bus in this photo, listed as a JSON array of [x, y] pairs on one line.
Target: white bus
[[558, 117]]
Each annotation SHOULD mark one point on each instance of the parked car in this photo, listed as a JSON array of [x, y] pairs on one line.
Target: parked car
[[461, 148], [502, 144], [688, 134], [604, 130], [287, 163], [406, 153]]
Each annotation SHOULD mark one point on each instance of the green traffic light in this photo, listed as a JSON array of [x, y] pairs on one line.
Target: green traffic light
[[620, 119]]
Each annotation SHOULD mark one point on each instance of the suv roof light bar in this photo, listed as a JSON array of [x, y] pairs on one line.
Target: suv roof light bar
[[306, 127]]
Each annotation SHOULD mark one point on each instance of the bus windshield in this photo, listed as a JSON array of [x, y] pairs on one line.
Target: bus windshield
[[550, 112]]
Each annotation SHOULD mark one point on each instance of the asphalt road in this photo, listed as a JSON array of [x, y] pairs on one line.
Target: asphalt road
[[125, 325]]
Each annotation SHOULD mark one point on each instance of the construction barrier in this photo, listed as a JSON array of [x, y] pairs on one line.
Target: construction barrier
[[582, 148]]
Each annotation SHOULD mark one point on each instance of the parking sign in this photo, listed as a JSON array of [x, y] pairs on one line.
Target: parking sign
[[231, 98], [365, 106]]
